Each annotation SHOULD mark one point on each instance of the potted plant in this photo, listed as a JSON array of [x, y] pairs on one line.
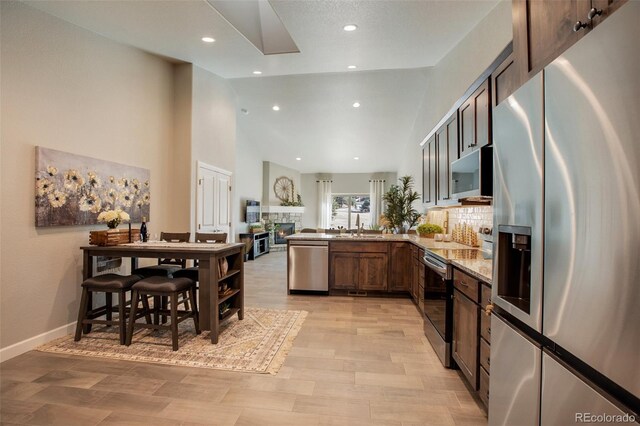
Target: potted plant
[[399, 214], [428, 229]]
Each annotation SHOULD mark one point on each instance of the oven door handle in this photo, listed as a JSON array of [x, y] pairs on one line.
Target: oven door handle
[[435, 266]]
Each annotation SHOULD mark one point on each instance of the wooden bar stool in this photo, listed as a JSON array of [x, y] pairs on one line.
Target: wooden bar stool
[[108, 284], [201, 237], [163, 287]]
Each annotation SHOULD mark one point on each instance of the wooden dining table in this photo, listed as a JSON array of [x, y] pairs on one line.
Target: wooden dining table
[[208, 256]]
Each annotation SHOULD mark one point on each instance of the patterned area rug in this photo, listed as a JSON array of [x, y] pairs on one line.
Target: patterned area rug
[[257, 344]]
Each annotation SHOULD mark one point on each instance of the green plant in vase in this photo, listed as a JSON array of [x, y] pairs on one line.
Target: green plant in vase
[[428, 229], [399, 213]]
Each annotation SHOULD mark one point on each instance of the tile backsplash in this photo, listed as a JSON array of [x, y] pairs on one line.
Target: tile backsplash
[[475, 216]]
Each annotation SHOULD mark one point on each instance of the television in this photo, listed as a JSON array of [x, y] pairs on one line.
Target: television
[[252, 211]]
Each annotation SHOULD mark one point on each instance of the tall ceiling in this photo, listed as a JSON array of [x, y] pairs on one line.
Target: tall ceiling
[[395, 42]]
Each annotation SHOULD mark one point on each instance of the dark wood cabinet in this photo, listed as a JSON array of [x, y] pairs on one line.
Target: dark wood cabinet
[[400, 272], [429, 172], [475, 120], [465, 336], [504, 80], [447, 143], [543, 29], [358, 266], [372, 274], [345, 268]]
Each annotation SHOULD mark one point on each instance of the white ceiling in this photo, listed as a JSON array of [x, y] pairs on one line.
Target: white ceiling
[[392, 34], [318, 123], [394, 41]]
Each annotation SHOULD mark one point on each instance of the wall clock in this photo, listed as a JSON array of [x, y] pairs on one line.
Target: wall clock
[[283, 187]]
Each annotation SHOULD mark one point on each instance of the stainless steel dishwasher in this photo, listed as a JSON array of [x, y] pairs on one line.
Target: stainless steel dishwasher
[[308, 266]]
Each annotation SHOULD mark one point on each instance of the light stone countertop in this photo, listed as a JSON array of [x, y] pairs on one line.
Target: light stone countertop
[[480, 268]]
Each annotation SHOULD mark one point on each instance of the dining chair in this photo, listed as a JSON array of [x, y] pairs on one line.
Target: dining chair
[[201, 237], [166, 267]]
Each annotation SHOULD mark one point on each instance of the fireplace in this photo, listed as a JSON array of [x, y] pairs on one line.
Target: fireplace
[[282, 231]]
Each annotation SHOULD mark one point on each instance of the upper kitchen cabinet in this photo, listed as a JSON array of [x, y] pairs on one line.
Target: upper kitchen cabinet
[[429, 172], [504, 80], [475, 120], [543, 29], [447, 143]]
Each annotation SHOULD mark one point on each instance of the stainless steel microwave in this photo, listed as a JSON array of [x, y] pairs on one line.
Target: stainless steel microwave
[[472, 175]]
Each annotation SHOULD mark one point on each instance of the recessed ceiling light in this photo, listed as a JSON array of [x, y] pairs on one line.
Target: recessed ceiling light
[[352, 67], [208, 39], [356, 158], [350, 27], [276, 108], [257, 72], [298, 158], [356, 104]]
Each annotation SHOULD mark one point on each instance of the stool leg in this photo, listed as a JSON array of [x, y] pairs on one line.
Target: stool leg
[[165, 301], [186, 302], [82, 312], [109, 306], [132, 316], [174, 320], [147, 310], [194, 309], [86, 328], [156, 308], [122, 320]]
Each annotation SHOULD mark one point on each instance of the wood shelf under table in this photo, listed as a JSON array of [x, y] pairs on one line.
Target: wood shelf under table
[[229, 274], [228, 314], [222, 299]]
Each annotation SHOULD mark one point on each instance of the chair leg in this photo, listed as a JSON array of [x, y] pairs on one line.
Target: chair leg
[[147, 310], [82, 313], [174, 320], [109, 306], [186, 302], [194, 309], [132, 316], [122, 320]]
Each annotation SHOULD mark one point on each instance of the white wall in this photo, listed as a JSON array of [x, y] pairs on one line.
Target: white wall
[[343, 183], [213, 130], [248, 182], [69, 89], [452, 76], [270, 172]]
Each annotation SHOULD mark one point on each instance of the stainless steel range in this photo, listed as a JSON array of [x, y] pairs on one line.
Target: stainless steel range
[[438, 298]]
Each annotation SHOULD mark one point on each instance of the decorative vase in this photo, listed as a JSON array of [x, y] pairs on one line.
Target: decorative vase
[[426, 235], [113, 224]]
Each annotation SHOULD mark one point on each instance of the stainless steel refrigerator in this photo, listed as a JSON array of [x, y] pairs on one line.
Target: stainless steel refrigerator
[[566, 325]]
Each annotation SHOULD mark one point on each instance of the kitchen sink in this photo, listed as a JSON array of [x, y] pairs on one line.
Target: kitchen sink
[[360, 237]]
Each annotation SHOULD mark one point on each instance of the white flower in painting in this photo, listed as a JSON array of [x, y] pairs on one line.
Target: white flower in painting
[[94, 180], [52, 171], [139, 204], [135, 186], [112, 196], [112, 179], [146, 198], [44, 187], [90, 203], [125, 198], [73, 180], [146, 183], [123, 183], [57, 199]]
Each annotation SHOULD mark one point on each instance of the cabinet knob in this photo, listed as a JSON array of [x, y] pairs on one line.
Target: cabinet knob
[[579, 25], [594, 12], [488, 309]]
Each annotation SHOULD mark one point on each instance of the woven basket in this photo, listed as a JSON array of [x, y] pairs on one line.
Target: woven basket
[[113, 237]]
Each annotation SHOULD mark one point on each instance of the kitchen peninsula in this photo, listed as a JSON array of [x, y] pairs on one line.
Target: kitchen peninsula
[[384, 264]]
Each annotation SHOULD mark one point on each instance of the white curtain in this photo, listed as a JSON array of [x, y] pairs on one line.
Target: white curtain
[[324, 203], [376, 191]]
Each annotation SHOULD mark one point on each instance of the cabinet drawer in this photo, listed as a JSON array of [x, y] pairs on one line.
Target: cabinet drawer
[[485, 325], [359, 247], [466, 284], [485, 351], [483, 393], [485, 296]]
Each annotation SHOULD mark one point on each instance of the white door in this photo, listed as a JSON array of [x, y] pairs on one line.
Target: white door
[[213, 201]]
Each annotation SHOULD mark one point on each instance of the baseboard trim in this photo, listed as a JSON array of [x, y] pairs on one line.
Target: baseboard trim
[[33, 342]]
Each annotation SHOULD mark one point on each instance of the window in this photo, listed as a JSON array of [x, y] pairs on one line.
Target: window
[[346, 208]]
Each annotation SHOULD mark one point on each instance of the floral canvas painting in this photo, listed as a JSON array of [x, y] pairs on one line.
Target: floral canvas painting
[[73, 189]]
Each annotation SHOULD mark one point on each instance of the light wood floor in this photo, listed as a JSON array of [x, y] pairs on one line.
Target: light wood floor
[[356, 361]]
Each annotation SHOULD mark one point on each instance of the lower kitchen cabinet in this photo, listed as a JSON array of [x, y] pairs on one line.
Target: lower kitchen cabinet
[[400, 277], [358, 266], [472, 331], [465, 336]]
